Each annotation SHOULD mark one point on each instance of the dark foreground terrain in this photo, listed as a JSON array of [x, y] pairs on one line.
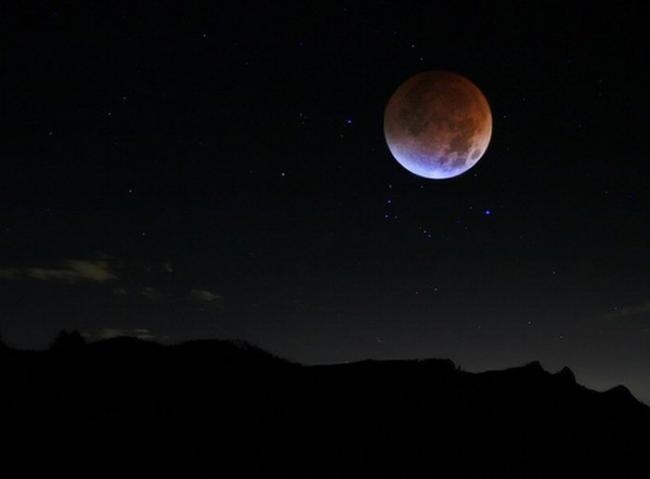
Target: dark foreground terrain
[[127, 408]]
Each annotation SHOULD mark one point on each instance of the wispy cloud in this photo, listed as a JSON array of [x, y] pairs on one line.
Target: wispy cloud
[[69, 271], [206, 300], [152, 294], [109, 333], [629, 312], [205, 296], [10, 273]]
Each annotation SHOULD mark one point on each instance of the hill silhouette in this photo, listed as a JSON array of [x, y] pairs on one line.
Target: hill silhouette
[[228, 409]]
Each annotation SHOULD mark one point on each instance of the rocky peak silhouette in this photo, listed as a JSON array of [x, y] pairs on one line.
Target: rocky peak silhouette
[[232, 409]]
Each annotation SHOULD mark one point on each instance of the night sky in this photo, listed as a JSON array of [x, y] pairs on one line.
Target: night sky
[[211, 170]]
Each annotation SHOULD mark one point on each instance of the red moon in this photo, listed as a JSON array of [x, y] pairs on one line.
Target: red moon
[[437, 124]]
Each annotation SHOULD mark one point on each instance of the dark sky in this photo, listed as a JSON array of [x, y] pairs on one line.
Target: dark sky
[[219, 170]]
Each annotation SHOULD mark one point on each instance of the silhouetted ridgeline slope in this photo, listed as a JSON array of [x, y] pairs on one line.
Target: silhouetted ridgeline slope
[[223, 409]]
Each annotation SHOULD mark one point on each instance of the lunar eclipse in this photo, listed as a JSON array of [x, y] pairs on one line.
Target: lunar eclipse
[[438, 124]]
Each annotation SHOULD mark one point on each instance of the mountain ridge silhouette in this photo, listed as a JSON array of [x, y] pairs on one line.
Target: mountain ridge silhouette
[[210, 407]]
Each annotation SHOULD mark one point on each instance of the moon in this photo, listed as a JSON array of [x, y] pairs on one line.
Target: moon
[[437, 124]]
